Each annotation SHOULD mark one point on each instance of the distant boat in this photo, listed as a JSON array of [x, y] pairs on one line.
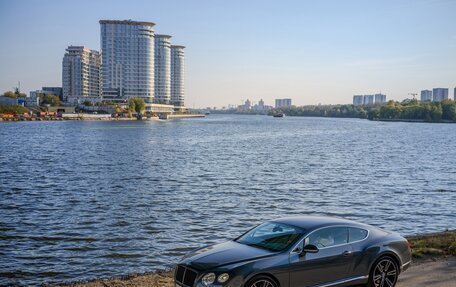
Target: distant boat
[[207, 113], [278, 115]]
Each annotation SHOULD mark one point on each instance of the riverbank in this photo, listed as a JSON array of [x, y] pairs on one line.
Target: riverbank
[[97, 117], [434, 265], [415, 121]]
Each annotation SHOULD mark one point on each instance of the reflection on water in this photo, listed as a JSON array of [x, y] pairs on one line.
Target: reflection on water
[[80, 200]]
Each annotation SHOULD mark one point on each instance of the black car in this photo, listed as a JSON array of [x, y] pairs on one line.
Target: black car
[[300, 251]]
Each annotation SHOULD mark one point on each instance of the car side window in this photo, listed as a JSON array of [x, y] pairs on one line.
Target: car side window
[[356, 234], [328, 237]]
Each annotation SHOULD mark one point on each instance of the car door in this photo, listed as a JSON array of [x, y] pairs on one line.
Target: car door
[[331, 263], [357, 240]]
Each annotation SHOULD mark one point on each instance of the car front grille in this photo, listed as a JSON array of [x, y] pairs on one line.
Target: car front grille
[[185, 276]]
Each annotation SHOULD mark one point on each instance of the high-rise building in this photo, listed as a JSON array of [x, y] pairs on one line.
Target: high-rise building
[[177, 75], [358, 100], [248, 104], [439, 94], [279, 103], [379, 99], [261, 103], [426, 96], [80, 73], [368, 100], [261, 107], [162, 84], [127, 50]]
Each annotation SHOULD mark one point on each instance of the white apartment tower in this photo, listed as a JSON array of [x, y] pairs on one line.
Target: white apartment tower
[[426, 96], [368, 100], [279, 103], [80, 73], [379, 99], [177, 75], [358, 100], [127, 51], [162, 82], [439, 94]]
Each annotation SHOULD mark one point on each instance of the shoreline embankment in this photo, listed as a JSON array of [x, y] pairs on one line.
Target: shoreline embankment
[[95, 117]]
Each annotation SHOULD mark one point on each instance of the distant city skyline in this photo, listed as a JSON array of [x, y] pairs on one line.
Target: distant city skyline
[[311, 51]]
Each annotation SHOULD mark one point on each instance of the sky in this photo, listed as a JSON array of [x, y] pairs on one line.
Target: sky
[[313, 52]]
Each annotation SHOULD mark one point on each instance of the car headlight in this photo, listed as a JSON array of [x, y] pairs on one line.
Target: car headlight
[[223, 278], [208, 279]]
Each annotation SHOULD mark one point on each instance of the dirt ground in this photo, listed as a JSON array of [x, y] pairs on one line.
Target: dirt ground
[[439, 273], [429, 273]]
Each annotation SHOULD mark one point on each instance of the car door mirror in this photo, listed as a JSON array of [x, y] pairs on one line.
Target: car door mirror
[[310, 249]]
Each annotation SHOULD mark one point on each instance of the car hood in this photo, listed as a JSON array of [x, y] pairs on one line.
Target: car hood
[[229, 252]]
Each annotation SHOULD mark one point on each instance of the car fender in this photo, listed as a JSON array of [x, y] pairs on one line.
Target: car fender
[[266, 267]]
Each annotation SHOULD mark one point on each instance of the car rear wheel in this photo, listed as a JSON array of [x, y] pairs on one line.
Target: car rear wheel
[[261, 281], [384, 273]]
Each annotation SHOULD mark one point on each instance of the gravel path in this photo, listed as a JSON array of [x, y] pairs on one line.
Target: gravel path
[[440, 273]]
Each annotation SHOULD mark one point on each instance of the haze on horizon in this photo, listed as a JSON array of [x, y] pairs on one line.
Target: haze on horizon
[[310, 51]]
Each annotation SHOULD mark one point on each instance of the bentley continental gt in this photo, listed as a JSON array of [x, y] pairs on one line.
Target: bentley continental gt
[[299, 252]]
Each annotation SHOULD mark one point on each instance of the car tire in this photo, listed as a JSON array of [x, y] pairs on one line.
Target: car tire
[[261, 281], [384, 273]]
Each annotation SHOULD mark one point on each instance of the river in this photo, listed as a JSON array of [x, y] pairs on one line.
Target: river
[[84, 199]]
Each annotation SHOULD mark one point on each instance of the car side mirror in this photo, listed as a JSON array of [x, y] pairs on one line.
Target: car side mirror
[[310, 249]]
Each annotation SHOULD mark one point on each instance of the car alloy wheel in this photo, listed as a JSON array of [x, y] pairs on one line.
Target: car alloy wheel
[[384, 273], [261, 281]]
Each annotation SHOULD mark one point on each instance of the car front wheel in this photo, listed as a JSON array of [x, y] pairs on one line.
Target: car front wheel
[[384, 273], [261, 281]]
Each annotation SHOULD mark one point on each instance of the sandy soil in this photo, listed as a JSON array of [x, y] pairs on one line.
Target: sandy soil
[[430, 273]]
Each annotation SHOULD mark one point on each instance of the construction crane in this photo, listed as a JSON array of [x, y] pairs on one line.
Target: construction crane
[[413, 94]]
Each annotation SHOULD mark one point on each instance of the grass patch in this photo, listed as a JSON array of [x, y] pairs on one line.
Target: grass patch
[[434, 245]]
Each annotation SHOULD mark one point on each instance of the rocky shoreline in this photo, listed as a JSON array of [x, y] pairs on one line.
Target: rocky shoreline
[[435, 252]]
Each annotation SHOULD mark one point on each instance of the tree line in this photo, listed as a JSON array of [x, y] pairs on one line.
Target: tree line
[[406, 110], [414, 110]]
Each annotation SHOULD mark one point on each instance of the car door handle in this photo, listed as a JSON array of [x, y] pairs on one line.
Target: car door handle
[[346, 253]]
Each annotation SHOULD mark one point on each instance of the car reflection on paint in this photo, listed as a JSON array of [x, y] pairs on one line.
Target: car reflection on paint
[[300, 251]]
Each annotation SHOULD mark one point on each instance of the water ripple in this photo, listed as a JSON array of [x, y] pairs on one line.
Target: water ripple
[[81, 200]]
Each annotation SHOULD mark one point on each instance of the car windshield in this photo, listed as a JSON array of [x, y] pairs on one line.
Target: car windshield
[[271, 236]]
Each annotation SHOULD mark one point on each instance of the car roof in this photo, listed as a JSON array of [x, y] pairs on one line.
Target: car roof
[[310, 223]]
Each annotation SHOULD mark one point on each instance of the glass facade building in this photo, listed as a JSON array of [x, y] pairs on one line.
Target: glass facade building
[[162, 69], [177, 75], [127, 52]]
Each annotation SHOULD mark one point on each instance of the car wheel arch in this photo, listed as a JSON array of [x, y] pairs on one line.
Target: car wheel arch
[[272, 277]]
